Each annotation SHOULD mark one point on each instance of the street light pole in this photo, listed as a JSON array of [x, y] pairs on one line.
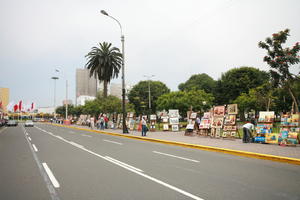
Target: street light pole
[[54, 78], [66, 99], [149, 91], [125, 130]]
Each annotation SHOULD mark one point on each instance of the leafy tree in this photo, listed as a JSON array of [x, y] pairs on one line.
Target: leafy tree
[[237, 81], [92, 107], [198, 82], [246, 102], [264, 96], [110, 104], [139, 95], [280, 60], [199, 100], [104, 62]]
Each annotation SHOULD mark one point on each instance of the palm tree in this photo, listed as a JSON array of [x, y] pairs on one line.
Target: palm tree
[[104, 62]]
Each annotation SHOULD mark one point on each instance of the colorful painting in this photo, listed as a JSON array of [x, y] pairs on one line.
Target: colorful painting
[[206, 115], [218, 122], [165, 127], [265, 116], [193, 115], [219, 111], [204, 124], [230, 120], [232, 109]]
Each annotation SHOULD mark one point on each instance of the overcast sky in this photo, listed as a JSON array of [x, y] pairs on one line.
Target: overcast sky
[[171, 39]]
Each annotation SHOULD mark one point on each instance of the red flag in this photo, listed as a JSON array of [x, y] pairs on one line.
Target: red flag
[[20, 105], [15, 107]]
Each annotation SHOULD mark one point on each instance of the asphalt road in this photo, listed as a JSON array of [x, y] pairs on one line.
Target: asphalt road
[[49, 162]]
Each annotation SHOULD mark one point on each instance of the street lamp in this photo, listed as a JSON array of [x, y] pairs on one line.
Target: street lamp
[[54, 78], [149, 91], [125, 130]]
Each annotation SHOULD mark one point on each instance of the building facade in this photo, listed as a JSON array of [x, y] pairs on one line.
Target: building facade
[[85, 85], [4, 99]]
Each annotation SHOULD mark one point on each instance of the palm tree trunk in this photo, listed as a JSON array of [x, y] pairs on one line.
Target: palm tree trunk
[[105, 88], [294, 100]]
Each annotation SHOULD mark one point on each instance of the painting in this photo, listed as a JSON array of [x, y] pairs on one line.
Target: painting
[[230, 120], [175, 127], [174, 120], [265, 116], [204, 124], [232, 109], [174, 113], [193, 115], [217, 122], [218, 132], [219, 111], [165, 127], [152, 117], [206, 115]]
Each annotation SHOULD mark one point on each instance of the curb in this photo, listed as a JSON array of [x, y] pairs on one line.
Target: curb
[[282, 159]]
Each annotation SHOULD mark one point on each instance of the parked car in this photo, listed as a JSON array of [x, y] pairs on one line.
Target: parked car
[[29, 123], [12, 123]]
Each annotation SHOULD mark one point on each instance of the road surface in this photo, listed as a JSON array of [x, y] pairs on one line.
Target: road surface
[[50, 162]]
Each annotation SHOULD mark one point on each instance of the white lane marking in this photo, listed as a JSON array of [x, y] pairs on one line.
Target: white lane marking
[[119, 162], [50, 187], [175, 156], [76, 145], [34, 147], [137, 172], [29, 138], [86, 135], [51, 176], [113, 142], [3, 129]]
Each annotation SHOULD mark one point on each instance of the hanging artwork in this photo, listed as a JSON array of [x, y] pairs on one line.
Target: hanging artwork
[[218, 122], [219, 111], [230, 120], [232, 109]]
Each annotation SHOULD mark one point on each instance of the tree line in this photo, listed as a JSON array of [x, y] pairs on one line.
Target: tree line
[[252, 89]]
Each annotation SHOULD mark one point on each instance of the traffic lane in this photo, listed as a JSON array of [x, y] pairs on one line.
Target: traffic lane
[[256, 177], [83, 175], [19, 174]]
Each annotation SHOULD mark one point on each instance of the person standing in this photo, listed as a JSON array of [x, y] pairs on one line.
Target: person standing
[[144, 126], [92, 123], [248, 128]]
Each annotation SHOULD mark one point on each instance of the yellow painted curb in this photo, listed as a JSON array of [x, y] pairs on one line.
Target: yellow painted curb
[[196, 146]]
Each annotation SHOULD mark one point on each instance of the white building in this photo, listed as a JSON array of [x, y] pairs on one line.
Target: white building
[[46, 110], [80, 101]]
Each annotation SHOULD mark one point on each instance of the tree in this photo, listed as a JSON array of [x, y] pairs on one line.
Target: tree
[[199, 100], [237, 81], [139, 95], [246, 102], [104, 62], [198, 82], [280, 60]]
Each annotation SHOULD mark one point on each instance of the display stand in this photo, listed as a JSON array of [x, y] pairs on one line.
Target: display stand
[[217, 122], [264, 128], [174, 119], [152, 122], [230, 128], [289, 130], [205, 123]]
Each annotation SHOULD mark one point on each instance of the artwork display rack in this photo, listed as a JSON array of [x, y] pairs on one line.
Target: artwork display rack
[[289, 130], [264, 128]]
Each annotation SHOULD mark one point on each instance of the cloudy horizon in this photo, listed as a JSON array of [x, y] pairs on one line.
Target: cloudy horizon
[[169, 39]]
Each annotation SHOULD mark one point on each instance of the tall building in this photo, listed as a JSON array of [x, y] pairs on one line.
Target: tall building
[[4, 99], [85, 85]]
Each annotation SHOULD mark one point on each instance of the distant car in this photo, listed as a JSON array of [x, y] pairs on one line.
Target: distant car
[[12, 123], [29, 123]]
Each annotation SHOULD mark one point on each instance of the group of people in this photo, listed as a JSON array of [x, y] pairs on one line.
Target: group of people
[[100, 123]]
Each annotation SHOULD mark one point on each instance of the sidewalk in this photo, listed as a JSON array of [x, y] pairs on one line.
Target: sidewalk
[[237, 144]]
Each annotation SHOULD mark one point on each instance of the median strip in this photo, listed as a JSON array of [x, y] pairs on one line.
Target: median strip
[[196, 146]]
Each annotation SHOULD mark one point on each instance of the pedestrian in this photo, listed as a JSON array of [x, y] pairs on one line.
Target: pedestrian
[[144, 126], [102, 122], [248, 128], [92, 123], [106, 121]]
